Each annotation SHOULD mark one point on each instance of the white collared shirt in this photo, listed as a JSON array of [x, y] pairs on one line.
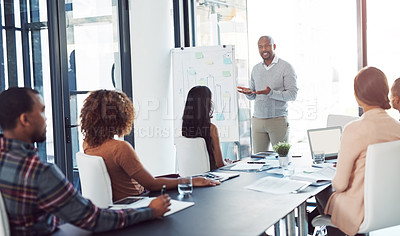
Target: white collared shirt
[[274, 61]]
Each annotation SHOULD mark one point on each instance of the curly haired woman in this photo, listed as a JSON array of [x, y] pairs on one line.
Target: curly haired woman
[[104, 115]]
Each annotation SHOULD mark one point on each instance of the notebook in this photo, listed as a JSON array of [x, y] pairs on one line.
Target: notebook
[[316, 176], [326, 140], [137, 202]]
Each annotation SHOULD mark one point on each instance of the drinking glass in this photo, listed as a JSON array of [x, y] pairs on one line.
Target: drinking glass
[[318, 157], [185, 185], [288, 170]]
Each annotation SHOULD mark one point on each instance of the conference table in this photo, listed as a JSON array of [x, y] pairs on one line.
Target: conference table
[[226, 209]]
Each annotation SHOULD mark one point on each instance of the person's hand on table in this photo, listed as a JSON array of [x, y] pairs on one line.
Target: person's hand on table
[[244, 90], [202, 181], [160, 205], [228, 161]]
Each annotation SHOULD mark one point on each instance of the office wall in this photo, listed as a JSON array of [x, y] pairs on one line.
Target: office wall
[[152, 40]]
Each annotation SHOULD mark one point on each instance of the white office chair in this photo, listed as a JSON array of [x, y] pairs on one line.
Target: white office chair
[[381, 190], [4, 225], [95, 180], [339, 120], [191, 156]]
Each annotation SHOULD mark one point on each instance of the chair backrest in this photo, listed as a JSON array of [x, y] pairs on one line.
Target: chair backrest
[[381, 187], [339, 120], [95, 181], [191, 156], [4, 225]]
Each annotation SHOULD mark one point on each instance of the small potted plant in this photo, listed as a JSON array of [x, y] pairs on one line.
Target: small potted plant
[[282, 148]]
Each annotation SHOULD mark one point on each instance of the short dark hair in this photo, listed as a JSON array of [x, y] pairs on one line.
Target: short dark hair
[[271, 40], [13, 102]]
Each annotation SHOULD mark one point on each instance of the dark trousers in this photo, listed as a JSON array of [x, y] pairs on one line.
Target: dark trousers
[[322, 200]]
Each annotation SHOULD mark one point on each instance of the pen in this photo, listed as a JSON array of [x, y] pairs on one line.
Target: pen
[[163, 189], [316, 166], [255, 162]]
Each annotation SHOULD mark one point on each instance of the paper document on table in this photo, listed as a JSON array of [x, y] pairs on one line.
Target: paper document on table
[[246, 166], [272, 163], [175, 205], [317, 176], [277, 185]]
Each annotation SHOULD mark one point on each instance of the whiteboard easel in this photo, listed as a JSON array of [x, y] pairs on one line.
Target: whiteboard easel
[[214, 67]]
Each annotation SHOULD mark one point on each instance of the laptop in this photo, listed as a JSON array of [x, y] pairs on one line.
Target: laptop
[[326, 140]]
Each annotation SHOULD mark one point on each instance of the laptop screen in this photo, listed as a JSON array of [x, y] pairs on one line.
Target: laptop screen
[[325, 140]]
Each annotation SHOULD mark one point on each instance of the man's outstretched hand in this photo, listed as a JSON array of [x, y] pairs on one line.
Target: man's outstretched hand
[[244, 90], [266, 91]]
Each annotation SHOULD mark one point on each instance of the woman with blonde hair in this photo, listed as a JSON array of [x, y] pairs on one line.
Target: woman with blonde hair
[[345, 203], [104, 115]]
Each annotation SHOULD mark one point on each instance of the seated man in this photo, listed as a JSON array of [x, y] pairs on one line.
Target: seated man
[[36, 194]]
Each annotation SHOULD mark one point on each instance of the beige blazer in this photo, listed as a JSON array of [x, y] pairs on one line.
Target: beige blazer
[[346, 204]]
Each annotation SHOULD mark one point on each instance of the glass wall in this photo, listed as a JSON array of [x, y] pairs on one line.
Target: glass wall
[[93, 50], [383, 37], [24, 56], [92, 44], [225, 23], [319, 38]]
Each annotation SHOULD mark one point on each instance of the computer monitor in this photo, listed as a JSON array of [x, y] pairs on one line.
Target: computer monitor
[[326, 140]]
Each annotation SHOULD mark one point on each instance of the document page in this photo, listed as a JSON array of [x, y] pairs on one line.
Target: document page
[[252, 165], [316, 175], [246, 166], [175, 205], [277, 185]]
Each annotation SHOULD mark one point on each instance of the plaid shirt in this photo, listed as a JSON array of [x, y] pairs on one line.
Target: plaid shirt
[[37, 195]]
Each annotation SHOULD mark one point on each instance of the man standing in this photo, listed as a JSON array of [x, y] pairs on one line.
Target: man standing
[[272, 85], [37, 195]]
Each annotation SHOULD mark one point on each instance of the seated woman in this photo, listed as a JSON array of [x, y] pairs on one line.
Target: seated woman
[[197, 123], [345, 202], [108, 113]]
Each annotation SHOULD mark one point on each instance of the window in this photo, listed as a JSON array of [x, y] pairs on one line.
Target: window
[[93, 55], [319, 38], [24, 54], [383, 36], [83, 40], [225, 23]]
